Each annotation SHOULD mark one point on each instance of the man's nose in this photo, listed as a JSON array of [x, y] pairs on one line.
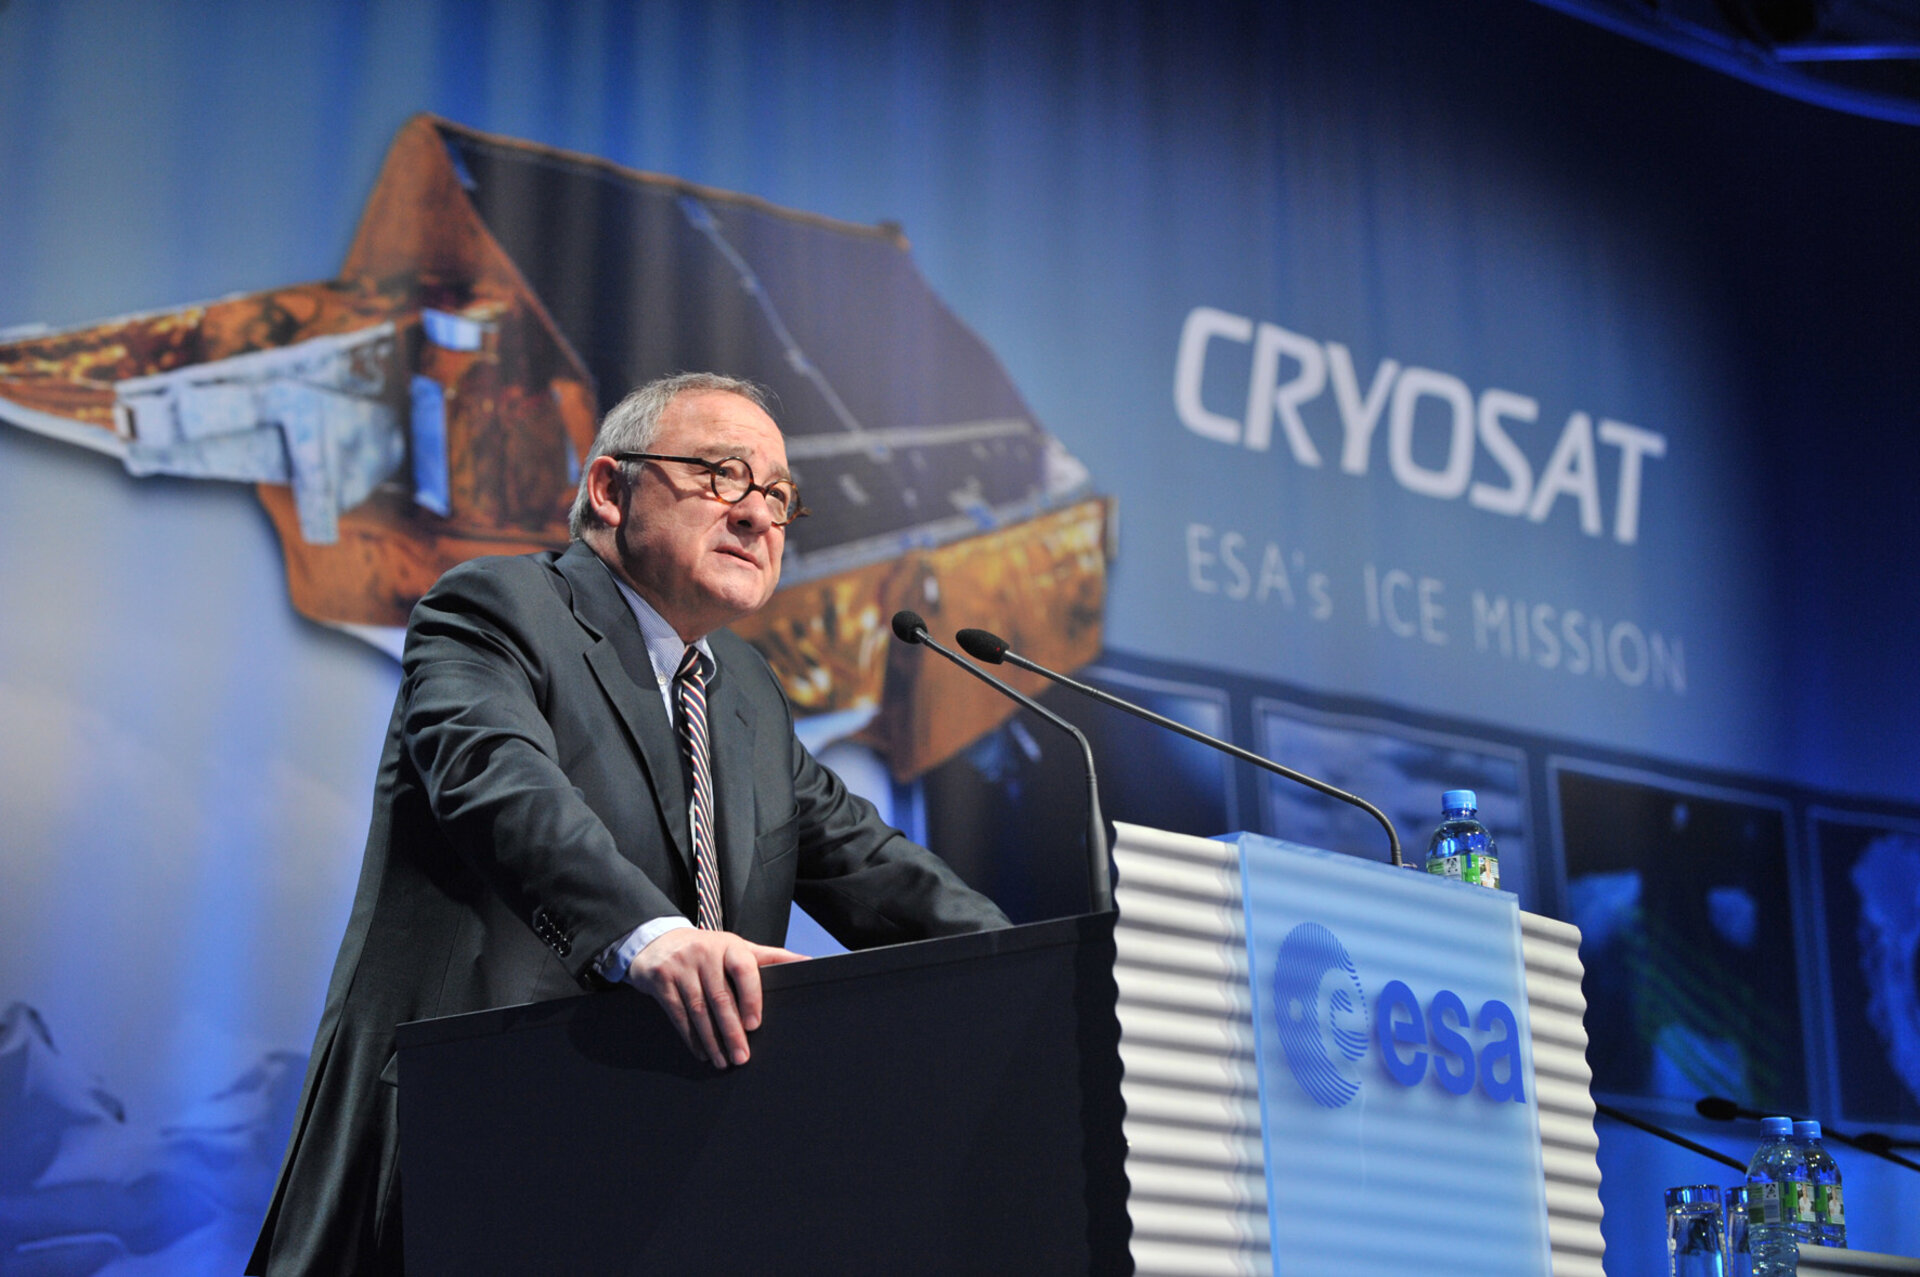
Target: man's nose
[[755, 511]]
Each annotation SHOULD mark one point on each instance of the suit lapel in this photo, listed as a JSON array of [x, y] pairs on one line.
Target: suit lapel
[[732, 744], [620, 663]]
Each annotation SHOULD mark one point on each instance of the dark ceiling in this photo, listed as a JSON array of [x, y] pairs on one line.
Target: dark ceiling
[[1861, 56]]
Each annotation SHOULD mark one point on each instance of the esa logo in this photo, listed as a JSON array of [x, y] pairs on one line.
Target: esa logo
[[1325, 1027]]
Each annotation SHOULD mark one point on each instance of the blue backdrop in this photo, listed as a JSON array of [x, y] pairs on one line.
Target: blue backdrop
[[1485, 396]]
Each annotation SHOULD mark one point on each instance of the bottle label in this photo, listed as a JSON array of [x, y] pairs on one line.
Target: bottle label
[[1798, 1202], [1763, 1204], [1829, 1204], [1475, 866]]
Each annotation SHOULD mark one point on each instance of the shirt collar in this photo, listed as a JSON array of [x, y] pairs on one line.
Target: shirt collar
[[665, 649]]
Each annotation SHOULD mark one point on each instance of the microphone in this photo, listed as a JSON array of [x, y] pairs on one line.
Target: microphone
[[1880, 1142], [1718, 1108], [991, 648], [909, 628]]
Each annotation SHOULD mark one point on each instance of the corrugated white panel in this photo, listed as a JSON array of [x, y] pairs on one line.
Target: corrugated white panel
[[1178, 1064], [1183, 1221], [1195, 1161], [1195, 1165], [1150, 950], [1561, 1065], [1204, 1109], [1167, 1183], [1179, 915], [1203, 1028], [1153, 1256], [1556, 1009], [1191, 1146], [1180, 992]]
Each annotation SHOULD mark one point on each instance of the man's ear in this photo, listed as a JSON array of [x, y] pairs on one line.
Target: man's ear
[[606, 490]]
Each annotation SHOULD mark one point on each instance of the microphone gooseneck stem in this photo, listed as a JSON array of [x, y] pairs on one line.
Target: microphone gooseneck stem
[[1245, 756], [1621, 1115], [1720, 1109], [1099, 866], [1867, 1144]]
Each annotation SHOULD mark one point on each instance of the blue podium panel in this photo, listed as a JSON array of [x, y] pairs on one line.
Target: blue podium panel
[[1396, 1083]]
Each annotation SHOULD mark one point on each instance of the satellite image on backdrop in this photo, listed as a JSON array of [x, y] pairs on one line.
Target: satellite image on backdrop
[[1870, 885], [1687, 938], [435, 401]]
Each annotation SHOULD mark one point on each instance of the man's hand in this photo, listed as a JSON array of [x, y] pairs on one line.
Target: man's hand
[[709, 984]]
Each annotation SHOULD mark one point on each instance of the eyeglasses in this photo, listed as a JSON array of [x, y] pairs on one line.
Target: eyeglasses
[[732, 479]]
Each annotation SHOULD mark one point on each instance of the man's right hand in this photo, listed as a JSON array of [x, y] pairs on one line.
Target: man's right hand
[[709, 984]]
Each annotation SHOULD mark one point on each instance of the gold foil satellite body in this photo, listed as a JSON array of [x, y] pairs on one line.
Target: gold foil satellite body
[[435, 400]]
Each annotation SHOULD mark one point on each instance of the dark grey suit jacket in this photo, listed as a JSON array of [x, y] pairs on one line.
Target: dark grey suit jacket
[[531, 810]]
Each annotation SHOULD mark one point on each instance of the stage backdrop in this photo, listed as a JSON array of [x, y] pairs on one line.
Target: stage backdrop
[[1423, 395]]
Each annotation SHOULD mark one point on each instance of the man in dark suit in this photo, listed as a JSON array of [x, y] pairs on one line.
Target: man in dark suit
[[537, 822]]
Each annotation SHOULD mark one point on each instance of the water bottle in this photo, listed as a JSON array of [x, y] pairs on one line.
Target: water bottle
[[1462, 849], [1779, 1200], [1829, 1208]]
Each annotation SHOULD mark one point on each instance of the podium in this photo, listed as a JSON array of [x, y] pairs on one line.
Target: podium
[[948, 1106], [1082, 1095]]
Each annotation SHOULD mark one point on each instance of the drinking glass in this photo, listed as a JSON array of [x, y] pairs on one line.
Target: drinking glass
[[1739, 1252], [1694, 1232]]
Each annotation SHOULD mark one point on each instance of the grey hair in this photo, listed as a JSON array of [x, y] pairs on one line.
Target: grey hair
[[632, 425]]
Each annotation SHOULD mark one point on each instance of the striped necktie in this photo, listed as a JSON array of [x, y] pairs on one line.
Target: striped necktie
[[690, 689]]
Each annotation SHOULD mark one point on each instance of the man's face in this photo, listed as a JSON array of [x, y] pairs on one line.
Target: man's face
[[700, 562]]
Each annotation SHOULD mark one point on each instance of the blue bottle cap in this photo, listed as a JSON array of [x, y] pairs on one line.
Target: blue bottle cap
[[1807, 1129], [1456, 798], [1776, 1125]]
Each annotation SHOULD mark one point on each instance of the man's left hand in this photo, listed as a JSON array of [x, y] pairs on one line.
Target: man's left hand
[[708, 982]]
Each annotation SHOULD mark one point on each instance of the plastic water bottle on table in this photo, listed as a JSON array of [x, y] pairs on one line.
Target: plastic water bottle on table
[[1829, 1206], [1779, 1200], [1462, 849]]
